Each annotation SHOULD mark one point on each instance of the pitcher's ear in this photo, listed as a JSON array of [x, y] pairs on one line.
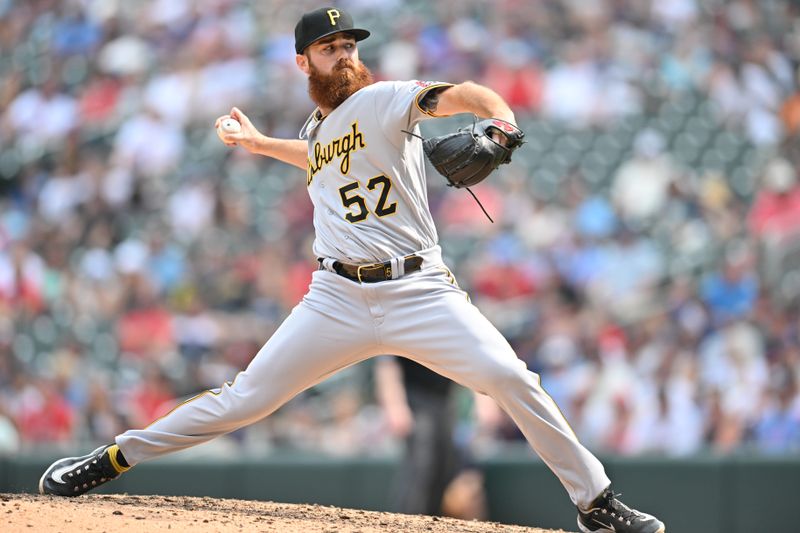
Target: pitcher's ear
[[302, 62]]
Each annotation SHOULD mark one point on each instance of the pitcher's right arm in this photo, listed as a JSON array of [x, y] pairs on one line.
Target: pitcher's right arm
[[291, 151]]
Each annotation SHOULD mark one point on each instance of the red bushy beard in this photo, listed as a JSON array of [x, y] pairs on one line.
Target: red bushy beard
[[330, 90]]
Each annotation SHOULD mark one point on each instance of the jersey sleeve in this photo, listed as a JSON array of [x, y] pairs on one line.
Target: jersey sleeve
[[403, 104]]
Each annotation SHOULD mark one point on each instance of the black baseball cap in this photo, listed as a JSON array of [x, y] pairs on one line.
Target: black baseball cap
[[322, 22]]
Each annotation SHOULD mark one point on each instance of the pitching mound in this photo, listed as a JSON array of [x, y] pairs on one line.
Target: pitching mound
[[112, 513]]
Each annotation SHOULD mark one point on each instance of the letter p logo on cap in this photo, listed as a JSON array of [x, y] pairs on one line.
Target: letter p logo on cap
[[334, 15]]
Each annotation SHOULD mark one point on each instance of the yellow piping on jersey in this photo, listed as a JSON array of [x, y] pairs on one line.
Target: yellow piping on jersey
[[555, 405], [423, 92], [193, 398]]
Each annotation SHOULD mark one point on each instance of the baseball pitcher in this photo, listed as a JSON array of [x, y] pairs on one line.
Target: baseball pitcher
[[381, 286]]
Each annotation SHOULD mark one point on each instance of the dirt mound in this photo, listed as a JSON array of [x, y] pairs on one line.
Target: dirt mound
[[113, 513]]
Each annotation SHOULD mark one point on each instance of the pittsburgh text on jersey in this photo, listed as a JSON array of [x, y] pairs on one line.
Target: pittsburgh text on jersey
[[340, 147]]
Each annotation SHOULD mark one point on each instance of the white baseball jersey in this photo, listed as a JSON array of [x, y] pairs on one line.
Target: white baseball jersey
[[366, 176]]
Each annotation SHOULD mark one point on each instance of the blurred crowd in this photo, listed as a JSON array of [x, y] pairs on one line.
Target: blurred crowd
[[645, 258]]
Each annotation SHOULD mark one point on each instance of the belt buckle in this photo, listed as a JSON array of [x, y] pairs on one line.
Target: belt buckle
[[374, 266]]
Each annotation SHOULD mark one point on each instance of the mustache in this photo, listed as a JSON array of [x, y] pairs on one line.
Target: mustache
[[343, 64]]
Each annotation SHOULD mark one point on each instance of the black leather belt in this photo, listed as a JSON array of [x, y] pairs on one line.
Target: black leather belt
[[375, 272]]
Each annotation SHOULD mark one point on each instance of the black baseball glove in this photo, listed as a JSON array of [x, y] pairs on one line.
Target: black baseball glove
[[469, 155]]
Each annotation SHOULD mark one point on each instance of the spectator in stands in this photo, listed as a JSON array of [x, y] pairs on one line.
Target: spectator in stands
[[731, 292], [152, 398], [776, 209], [778, 430], [640, 187]]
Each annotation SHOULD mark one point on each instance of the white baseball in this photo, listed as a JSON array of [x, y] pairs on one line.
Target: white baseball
[[228, 125]]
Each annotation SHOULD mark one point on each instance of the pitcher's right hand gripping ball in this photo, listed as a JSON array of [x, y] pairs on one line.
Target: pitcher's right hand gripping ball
[[469, 155], [236, 129]]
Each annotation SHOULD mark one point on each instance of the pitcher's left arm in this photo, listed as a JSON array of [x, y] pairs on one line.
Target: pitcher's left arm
[[469, 97]]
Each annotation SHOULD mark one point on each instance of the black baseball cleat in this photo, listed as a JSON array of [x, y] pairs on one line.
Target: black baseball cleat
[[74, 476], [606, 514]]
